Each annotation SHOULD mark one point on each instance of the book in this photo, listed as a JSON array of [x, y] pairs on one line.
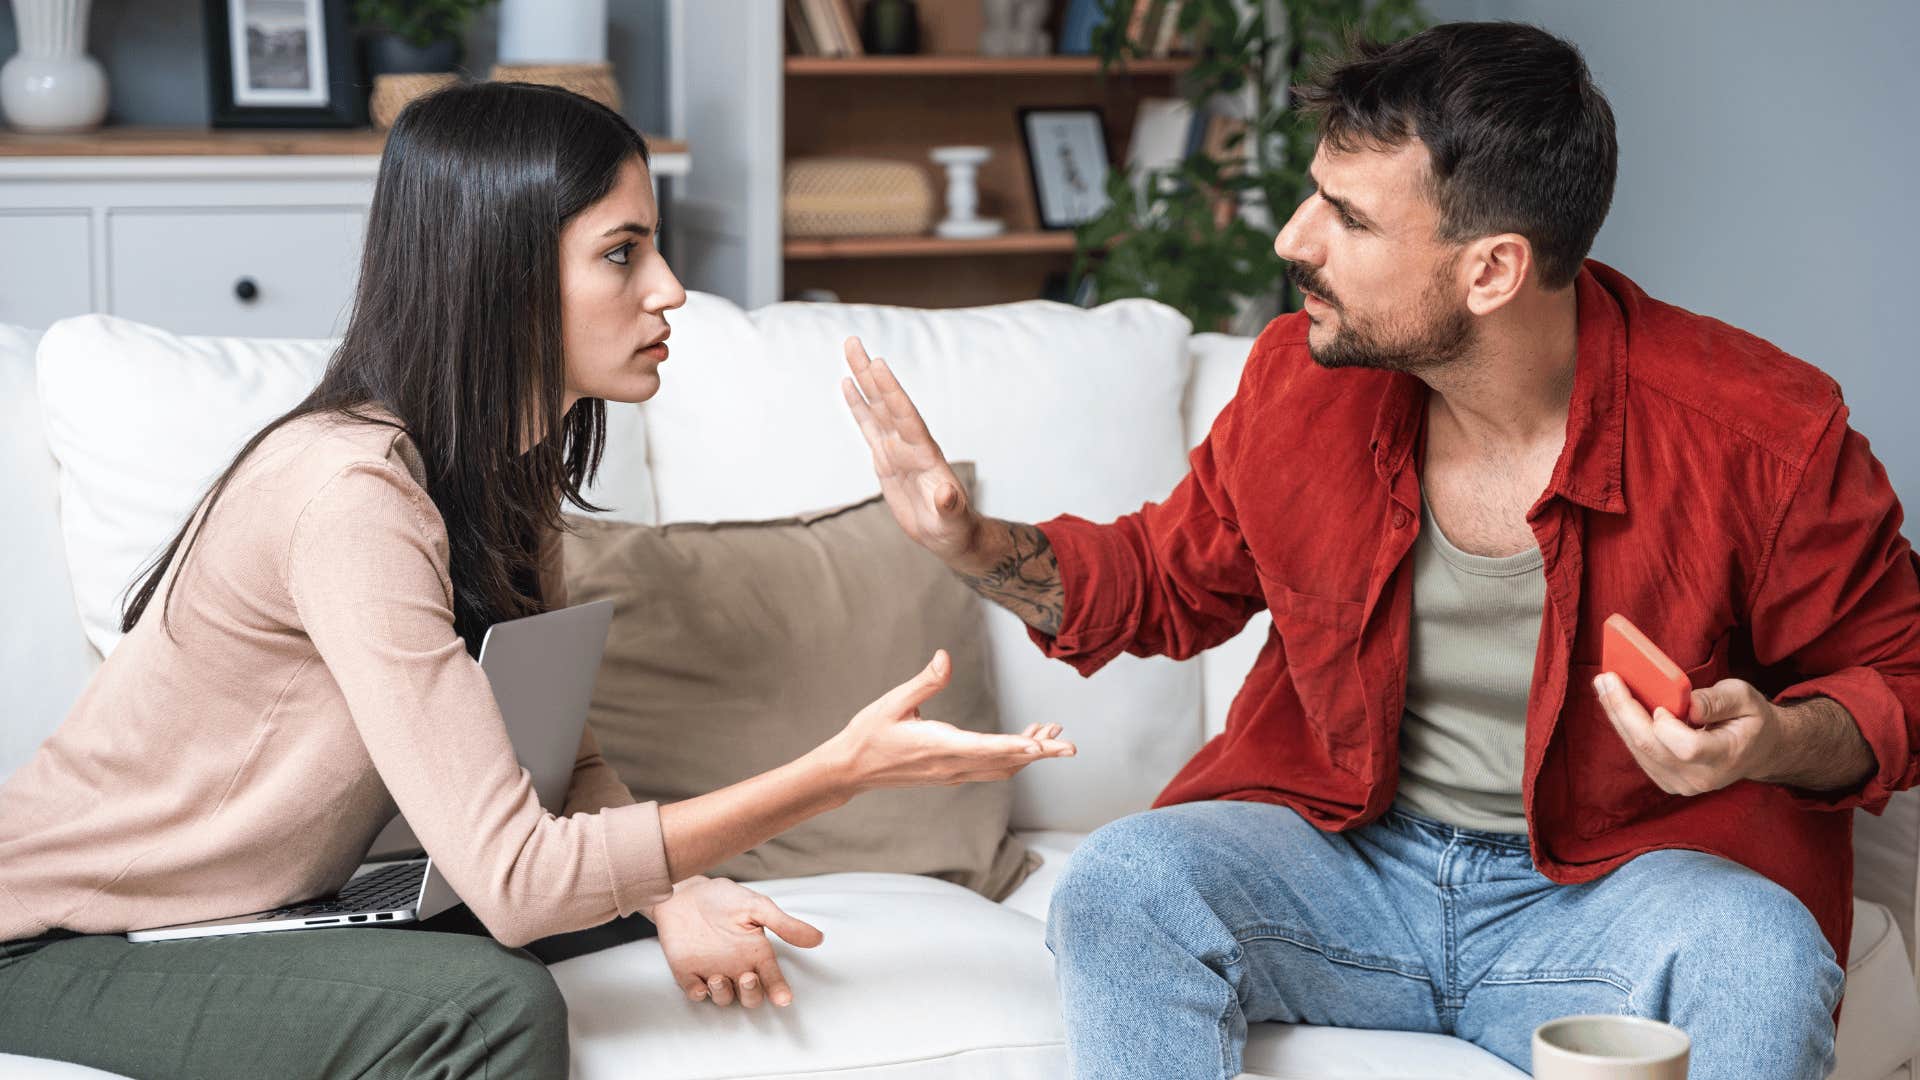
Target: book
[[1162, 132], [848, 27], [1139, 20], [1164, 30], [816, 28], [1076, 27], [800, 31], [826, 29]]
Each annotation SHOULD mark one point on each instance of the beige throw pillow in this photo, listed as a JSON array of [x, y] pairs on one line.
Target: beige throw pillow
[[737, 647]]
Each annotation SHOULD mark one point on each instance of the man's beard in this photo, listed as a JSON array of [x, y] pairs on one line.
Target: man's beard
[[1442, 333]]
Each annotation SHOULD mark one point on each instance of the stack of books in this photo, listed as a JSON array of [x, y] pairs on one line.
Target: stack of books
[[823, 28], [1152, 25], [1170, 130]]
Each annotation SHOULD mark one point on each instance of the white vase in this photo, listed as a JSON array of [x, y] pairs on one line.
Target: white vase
[[51, 84], [545, 32]]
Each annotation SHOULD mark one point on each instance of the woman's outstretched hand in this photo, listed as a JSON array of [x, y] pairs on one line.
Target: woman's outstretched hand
[[889, 744], [714, 934], [921, 490]]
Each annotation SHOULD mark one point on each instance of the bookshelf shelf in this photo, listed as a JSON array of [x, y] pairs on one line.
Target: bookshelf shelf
[[962, 64], [885, 247], [757, 99]]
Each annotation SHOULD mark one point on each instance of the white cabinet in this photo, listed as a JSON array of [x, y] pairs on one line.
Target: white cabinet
[[256, 271], [44, 258], [256, 245]]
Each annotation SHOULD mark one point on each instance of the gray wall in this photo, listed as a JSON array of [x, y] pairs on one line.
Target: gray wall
[[155, 57], [1769, 153]]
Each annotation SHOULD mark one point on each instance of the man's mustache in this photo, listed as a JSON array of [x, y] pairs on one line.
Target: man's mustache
[[1307, 281]]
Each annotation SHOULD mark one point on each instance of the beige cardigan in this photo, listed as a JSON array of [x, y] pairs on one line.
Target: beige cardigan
[[312, 686]]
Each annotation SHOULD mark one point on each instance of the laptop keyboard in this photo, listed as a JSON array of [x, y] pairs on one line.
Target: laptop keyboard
[[387, 889]]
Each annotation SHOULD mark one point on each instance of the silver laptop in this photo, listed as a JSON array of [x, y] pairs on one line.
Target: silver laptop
[[541, 669]]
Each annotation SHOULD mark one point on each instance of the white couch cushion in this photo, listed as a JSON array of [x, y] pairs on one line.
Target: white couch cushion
[[44, 656], [1061, 409], [917, 978], [141, 422], [1878, 1030]]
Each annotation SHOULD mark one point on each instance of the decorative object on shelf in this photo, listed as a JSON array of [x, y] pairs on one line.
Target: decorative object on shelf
[[407, 37], [1200, 237], [1067, 159], [282, 63], [963, 195], [824, 28], [1015, 27], [544, 32], [890, 28], [594, 81], [51, 84], [392, 92], [842, 196]]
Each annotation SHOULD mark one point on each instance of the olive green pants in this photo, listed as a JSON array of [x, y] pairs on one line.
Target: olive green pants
[[443, 1000]]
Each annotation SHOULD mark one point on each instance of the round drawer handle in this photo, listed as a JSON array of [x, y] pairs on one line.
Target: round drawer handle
[[246, 290]]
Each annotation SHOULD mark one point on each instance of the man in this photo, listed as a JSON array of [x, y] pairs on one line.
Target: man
[[1431, 810]]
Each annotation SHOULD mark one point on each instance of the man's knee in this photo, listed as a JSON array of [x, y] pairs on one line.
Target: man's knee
[[1730, 926], [1162, 866]]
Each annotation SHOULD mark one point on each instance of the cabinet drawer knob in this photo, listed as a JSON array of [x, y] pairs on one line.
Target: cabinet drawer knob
[[246, 290]]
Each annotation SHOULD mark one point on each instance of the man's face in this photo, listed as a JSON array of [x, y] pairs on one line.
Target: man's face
[[1380, 288]]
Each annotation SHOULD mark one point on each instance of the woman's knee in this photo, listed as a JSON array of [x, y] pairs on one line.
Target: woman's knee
[[510, 1000]]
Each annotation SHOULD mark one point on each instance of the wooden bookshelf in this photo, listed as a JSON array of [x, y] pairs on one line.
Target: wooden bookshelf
[[965, 65], [927, 247], [900, 107]]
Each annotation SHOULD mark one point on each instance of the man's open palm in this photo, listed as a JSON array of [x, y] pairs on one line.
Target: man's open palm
[[920, 487]]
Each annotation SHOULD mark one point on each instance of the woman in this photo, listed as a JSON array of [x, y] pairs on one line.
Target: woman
[[298, 663]]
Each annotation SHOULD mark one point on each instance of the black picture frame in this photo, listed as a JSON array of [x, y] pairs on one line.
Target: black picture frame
[[321, 96], [1055, 208]]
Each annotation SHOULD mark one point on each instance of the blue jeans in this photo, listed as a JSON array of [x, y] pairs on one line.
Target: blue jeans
[[1175, 928]]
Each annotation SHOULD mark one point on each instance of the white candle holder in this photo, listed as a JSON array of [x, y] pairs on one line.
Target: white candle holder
[[963, 194], [51, 84]]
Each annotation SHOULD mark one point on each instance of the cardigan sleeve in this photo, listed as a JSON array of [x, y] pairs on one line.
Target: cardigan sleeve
[[367, 571]]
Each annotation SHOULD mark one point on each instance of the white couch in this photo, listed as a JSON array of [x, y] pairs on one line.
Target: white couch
[[102, 453]]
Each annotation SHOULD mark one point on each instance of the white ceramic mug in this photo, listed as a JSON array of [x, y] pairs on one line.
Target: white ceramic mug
[[1609, 1048]]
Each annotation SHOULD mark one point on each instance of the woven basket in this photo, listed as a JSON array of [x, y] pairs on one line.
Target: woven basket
[[856, 197], [392, 92], [588, 80]]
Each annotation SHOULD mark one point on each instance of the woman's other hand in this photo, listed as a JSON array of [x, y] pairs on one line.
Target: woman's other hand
[[889, 744], [713, 931]]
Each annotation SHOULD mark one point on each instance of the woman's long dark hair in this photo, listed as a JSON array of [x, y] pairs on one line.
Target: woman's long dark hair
[[456, 330]]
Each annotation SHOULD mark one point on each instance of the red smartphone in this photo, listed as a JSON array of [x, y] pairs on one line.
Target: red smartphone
[[1650, 674]]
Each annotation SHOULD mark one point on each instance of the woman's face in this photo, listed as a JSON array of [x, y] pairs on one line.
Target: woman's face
[[615, 292]]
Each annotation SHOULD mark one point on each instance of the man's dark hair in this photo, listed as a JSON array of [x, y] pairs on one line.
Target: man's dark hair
[[1520, 138]]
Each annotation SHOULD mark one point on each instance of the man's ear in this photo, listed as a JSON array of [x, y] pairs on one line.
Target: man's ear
[[1496, 268]]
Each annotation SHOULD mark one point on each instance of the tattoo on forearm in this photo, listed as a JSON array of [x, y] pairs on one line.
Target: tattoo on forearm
[[1026, 581]]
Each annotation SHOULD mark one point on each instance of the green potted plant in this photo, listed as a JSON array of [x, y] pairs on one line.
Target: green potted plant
[[1199, 237], [414, 36]]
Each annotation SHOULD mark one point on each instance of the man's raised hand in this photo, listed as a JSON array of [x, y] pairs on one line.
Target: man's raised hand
[[920, 487]]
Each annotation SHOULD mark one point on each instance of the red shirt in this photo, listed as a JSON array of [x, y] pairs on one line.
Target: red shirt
[[1710, 489]]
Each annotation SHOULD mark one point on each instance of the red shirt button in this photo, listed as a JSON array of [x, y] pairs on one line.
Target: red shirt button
[[1400, 519]]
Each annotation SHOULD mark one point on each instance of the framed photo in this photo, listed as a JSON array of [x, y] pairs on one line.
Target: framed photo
[[282, 63], [1067, 157]]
